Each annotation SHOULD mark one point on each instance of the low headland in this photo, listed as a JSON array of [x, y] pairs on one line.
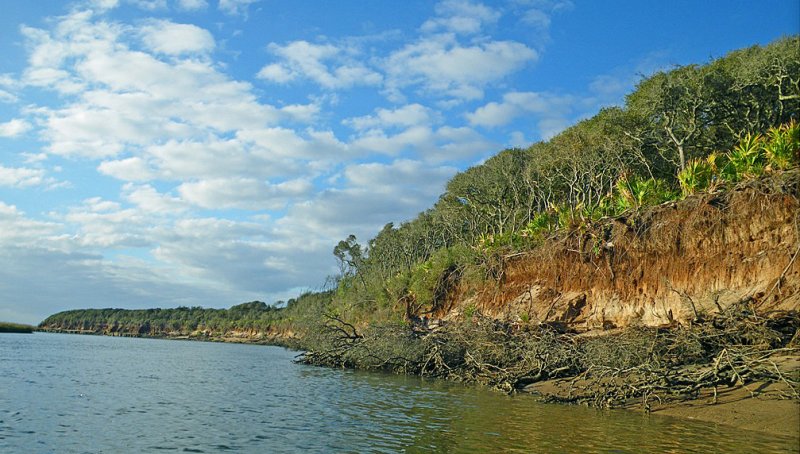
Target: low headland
[[645, 258]]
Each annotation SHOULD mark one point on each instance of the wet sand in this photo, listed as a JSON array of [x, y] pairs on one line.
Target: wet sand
[[758, 406]]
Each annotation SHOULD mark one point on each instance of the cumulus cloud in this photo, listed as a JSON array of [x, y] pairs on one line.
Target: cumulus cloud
[[243, 193], [15, 127], [552, 111], [538, 13], [149, 200], [192, 5], [441, 65], [137, 98], [370, 195], [460, 16], [128, 169], [433, 145], [16, 228], [21, 177], [235, 7], [175, 39], [7, 85], [329, 66], [408, 115]]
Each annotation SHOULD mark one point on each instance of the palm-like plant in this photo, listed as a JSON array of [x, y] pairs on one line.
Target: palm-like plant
[[782, 147], [634, 193], [540, 223], [746, 160], [699, 175]]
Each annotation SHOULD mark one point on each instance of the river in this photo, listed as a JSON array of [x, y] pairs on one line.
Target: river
[[88, 394]]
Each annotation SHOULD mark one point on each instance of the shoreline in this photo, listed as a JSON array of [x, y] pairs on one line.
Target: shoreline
[[273, 341], [757, 406]]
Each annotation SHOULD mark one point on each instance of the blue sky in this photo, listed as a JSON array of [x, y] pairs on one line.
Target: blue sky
[[156, 153]]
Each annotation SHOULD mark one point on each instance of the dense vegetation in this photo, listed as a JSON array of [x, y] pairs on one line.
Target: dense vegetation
[[6, 327], [689, 129]]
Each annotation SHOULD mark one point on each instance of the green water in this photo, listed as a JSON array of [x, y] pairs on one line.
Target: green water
[[87, 394]]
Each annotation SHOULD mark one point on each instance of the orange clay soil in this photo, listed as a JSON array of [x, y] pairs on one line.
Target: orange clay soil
[[661, 267]]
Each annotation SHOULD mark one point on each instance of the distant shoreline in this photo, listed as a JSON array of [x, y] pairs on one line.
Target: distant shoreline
[[7, 327], [273, 341]]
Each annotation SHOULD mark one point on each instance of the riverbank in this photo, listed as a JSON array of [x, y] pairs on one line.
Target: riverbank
[[766, 407], [232, 338]]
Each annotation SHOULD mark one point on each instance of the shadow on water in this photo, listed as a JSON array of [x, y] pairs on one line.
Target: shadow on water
[[68, 393]]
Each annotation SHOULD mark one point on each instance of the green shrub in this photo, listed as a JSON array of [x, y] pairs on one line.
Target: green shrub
[[541, 224], [632, 193], [699, 175], [429, 281], [746, 160], [782, 146]]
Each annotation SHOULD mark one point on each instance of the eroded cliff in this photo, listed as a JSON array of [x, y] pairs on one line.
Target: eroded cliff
[[666, 265]]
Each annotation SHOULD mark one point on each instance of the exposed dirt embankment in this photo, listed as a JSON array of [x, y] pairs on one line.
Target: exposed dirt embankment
[[664, 266]]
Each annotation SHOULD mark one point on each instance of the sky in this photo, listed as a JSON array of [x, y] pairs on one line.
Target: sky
[[159, 153]]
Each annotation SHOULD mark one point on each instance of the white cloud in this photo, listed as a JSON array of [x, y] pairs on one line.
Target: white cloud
[[102, 224], [517, 139], [305, 113], [235, 7], [329, 66], [278, 73], [104, 4], [192, 5], [21, 177], [150, 5], [442, 66], [461, 16], [399, 178], [15, 127], [137, 99], [552, 111], [377, 141], [243, 193], [373, 194], [18, 230], [408, 115], [175, 39], [7, 97], [128, 169], [444, 144], [8, 83], [538, 13], [149, 200]]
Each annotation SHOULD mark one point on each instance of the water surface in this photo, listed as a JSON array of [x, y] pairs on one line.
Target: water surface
[[88, 394]]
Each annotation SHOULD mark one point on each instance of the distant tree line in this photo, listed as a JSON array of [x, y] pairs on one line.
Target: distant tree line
[[255, 316]]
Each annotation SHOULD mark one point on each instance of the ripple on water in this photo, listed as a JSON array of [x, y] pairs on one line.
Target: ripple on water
[[95, 394]]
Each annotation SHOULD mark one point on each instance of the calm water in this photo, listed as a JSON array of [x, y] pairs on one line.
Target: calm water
[[68, 393]]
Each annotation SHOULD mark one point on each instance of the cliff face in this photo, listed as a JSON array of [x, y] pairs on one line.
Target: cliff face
[[665, 266]]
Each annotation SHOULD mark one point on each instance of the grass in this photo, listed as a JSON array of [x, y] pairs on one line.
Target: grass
[[6, 327]]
